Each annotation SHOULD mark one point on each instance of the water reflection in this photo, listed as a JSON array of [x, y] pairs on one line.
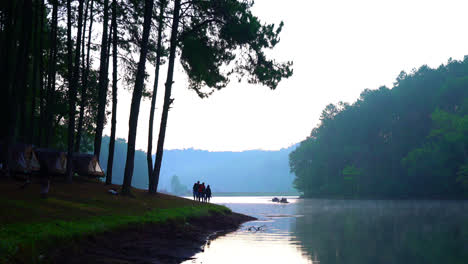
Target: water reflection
[[383, 231], [332, 231], [272, 244]]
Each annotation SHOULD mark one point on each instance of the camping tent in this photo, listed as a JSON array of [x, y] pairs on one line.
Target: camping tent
[[56, 163], [53, 160], [23, 158], [87, 165]]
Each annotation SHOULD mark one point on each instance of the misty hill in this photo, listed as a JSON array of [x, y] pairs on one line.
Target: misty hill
[[246, 171]]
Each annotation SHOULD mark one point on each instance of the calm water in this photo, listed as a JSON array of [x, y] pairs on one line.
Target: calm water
[[334, 231]]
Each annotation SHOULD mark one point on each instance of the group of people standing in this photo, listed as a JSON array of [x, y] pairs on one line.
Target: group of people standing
[[200, 193]]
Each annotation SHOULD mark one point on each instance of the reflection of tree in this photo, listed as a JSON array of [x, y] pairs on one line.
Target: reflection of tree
[[383, 231]]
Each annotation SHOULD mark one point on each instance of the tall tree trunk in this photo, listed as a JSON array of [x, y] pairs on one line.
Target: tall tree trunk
[[70, 84], [36, 73], [22, 107], [167, 95], [9, 98], [8, 131], [73, 86], [109, 44], [84, 82], [50, 94], [149, 157], [82, 66], [83, 37], [136, 98], [24, 64], [103, 79], [19, 82], [110, 160], [41, 78], [41, 73], [6, 55]]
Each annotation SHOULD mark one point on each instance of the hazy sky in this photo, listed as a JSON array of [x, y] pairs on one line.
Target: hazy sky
[[339, 48]]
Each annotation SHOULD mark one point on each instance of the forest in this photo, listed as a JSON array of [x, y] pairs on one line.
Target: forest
[[407, 141], [64, 61]]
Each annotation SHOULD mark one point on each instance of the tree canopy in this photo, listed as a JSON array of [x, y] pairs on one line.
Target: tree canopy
[[55, 66], [407, 141]]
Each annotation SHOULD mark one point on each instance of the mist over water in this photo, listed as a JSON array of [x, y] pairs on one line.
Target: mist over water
[[340, 231], [383, 231]]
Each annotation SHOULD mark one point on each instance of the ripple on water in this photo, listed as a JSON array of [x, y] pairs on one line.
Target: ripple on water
[[334, 231]]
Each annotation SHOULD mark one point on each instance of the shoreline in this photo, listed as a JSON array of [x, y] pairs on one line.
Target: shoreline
[[173, 241], [77, 218]]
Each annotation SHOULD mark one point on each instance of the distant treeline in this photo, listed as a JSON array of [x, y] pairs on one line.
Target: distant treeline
[[246, 171], [410, 141], [140, 170]]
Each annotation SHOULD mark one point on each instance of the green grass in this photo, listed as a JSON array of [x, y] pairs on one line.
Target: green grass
[[29, 226], [31, 239]]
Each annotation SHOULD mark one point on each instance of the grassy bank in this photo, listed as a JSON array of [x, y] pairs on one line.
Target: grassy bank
[[30, 226]]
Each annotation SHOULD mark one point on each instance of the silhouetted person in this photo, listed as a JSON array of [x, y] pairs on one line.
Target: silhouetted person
[[208, 193], [44, 176], [201, 190], [195, 190]]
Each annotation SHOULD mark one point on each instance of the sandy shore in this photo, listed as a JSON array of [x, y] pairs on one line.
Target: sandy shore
[[172, 242]]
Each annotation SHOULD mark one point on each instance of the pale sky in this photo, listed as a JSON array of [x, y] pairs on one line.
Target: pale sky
[[339, 48]]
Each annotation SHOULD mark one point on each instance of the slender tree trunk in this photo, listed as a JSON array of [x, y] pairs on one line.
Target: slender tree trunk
[[70, 84], [83, 37], [41, 79], [50, 94], [167, 95], [41, 73], [136, 98], [22, 107], [73, 85], [84, 82], [6, 54], [110, 160], [22, 69], [103, 79], [149, 158], [109, 44], [19, 82], [36, 73], [83, 60], [24, 72], [8, 63]]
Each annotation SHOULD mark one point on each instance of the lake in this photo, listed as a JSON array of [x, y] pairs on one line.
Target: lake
[[342, 231]]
